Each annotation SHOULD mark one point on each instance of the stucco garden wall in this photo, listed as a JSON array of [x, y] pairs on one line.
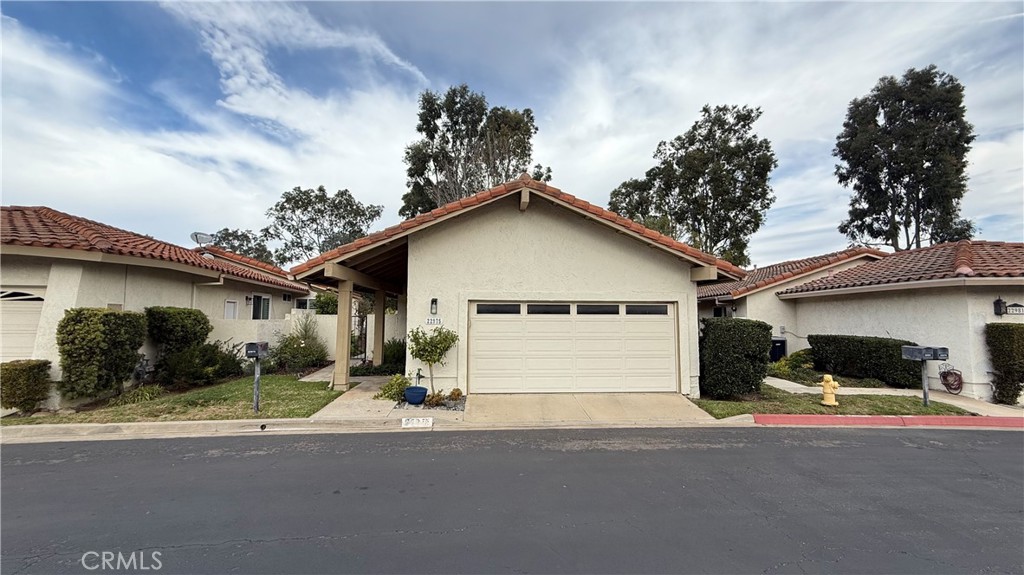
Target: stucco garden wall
[[546, 253], [952, 317]]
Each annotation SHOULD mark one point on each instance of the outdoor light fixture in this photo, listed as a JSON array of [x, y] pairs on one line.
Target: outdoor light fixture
[[248, 300], [433, 306], [999, 306]]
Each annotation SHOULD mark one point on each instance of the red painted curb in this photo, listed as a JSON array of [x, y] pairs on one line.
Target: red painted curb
[[891, 420]]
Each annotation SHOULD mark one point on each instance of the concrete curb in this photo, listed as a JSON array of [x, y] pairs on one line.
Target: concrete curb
[[962, 421]]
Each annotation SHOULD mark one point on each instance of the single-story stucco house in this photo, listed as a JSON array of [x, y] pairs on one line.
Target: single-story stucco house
[[548, 293], [942, 295], [754, 295], [51, 261]]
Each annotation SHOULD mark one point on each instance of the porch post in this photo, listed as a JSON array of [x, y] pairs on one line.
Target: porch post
[[379, 299], [342, 348]]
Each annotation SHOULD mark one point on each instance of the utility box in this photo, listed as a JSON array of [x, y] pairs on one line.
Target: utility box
[[925, 353], [257, 349], [778, 350]]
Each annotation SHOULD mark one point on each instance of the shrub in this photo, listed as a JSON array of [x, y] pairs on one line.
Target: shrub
[[137, 395], [199, 365], [860, 356], [430, 348], [25, 382], [368, 369], [803, 358], [98, 349], [394, 389], [301, 349], [435, 399], [455, 395], [733, 356], [326, 303], [394, 352], [174, 329], [780, 369], [1005, 343]]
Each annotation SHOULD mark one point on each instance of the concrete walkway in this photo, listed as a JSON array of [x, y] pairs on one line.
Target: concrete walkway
[[358, 404], [967, 403], [616, 408]]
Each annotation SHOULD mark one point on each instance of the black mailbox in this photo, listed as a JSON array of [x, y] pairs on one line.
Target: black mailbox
[[925, 353], [257, 349]]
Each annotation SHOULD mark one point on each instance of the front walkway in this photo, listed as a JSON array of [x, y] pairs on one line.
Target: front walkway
[[972, 405]]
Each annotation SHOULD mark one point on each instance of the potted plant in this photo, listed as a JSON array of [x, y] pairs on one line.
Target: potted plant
[[430, 348]]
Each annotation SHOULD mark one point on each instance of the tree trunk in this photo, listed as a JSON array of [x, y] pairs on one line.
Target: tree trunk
[[430, 371]]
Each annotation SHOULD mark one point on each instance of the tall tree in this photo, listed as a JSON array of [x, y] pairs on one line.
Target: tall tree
[[310, 222], [465, 147], [244, 242], [903, 150], [710, 187]]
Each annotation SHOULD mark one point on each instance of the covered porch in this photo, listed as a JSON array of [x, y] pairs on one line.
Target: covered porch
[[380, 270]]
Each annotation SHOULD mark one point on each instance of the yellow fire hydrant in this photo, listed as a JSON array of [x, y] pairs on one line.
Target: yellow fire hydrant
[[828, 391]]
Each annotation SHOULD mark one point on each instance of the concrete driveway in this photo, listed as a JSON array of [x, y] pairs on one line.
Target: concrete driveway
[[640, 408]]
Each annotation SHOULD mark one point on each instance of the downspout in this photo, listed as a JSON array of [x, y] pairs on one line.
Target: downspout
[[219, 282]]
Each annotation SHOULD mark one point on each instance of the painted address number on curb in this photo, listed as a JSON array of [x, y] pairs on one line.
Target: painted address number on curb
[[408, 422]]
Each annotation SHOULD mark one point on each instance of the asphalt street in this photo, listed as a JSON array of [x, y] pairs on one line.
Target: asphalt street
[[740, 500]]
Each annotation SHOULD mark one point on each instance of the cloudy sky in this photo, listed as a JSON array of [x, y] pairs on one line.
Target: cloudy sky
[[171, 118]]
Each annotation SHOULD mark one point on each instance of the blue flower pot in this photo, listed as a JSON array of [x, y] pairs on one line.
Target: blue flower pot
[[415, 394]]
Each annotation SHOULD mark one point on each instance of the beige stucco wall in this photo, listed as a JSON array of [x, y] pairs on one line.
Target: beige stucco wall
[[546, 253], [74, 283], [952, 317]]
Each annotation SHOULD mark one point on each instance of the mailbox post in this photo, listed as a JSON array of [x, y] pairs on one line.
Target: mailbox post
[[256, 350], [923, 354]]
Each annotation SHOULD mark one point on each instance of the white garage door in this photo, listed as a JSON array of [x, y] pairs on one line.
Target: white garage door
[[571, 347], [19, 318]]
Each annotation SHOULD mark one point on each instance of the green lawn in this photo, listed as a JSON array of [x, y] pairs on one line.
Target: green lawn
[[280, 396], [774, 400]]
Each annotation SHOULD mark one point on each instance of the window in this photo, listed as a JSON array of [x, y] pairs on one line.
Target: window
[[498, 308], [287, 297], [547, 309], [720, 312], [230, 309], [260, 306], [597, 309], [302, 303], [646, 309]]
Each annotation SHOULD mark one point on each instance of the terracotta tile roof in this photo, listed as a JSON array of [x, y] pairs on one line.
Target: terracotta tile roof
[[503, 190], [759, 278], [244, 260], [964, 259], [48, 228]]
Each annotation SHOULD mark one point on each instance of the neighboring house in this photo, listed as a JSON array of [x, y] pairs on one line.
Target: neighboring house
[[941, 295], [547, 293], [53, 261], [754, 296]]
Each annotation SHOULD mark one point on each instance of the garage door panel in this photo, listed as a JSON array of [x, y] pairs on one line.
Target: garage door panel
[[588, 345], [541, 364], [572, 353], [548, 383], [546, 344]]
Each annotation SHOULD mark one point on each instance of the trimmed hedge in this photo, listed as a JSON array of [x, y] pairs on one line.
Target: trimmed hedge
[[733, 356], [1005, 343], [26, 382], [99, 348], [368, 369], [174, 329], [394, 352], [862, 356]]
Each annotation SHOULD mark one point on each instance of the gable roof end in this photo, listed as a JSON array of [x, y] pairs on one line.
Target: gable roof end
[[552, 193], [965, 260], [767, 276]]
